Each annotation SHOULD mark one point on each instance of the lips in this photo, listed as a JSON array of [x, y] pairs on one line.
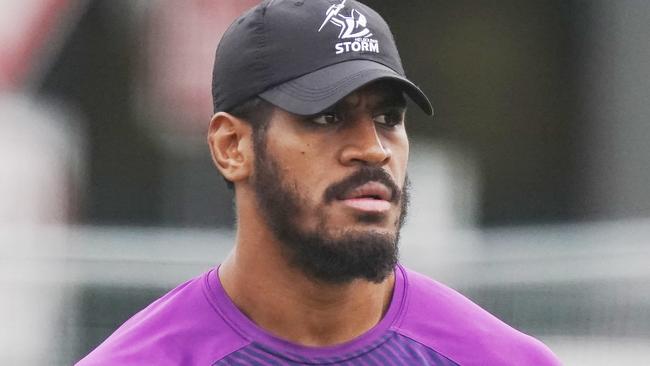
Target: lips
[[372, 198], [370, 190]]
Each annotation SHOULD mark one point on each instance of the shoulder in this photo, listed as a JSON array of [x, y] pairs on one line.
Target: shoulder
[[441, 318], [182, 327]]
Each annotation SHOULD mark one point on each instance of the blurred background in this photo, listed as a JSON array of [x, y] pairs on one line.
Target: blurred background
[[530, 185]]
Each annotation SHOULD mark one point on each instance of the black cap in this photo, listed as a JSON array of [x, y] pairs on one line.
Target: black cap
[[305, 56]]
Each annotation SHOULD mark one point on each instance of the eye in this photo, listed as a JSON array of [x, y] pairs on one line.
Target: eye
[[390, 119], [324, 119]]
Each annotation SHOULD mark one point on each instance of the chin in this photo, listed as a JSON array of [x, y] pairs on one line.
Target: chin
[[364, 224], [370, 218], [367, 232]]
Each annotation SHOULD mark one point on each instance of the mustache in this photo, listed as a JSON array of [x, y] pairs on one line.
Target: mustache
[[360, 177]]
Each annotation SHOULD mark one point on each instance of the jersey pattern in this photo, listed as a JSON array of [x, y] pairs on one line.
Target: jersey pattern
[[392, 349]]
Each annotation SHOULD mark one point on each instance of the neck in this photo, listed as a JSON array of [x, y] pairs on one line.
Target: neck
[[276, 296]]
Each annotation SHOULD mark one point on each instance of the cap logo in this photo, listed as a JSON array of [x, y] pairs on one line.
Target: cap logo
[[354, 33]]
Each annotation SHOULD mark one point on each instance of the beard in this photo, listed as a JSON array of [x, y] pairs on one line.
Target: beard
[[326, 255]]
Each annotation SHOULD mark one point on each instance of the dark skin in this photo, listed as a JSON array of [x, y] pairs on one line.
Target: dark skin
[[313, 152]]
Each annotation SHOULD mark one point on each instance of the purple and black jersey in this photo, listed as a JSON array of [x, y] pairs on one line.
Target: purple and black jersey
[[426, 324]]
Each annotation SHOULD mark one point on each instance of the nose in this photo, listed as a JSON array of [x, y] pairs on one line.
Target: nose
[[364, 145]]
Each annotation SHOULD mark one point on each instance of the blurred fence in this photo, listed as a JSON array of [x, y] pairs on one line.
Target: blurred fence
[[584, 289]]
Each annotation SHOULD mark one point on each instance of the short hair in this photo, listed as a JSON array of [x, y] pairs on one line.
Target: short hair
[[257, 113]]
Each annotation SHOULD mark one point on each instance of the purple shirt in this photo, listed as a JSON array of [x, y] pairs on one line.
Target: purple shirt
[[426, 323]]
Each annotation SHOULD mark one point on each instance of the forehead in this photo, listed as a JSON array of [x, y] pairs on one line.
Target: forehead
[[376, 94]]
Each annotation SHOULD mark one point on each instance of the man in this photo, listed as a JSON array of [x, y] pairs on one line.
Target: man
[[309, 130]]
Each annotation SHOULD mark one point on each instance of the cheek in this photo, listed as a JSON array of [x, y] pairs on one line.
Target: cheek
[[302, 170], [306, 161], [400, 155]]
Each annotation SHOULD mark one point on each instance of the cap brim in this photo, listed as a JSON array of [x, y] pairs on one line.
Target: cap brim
[[321, 89]]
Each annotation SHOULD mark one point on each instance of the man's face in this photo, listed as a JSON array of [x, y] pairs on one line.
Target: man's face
[[333, 186]]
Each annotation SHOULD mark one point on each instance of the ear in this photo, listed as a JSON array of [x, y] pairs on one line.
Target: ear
[[230, 144]]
